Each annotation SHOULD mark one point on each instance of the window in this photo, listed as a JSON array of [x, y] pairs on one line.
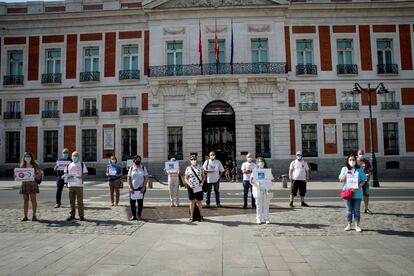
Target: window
[[129, 143], [51, 105], [384, 51], [350, 138], [348, 97], [15, 63], [262, 137], [13, 106], [89, 104], [12, 147], [89, 143], [130, 57], [307, 97], [390, 138], [259, 50], [50, 142], [304, 50], [91, 59], [129, 102], [53, 61], [212, 52], [344, 49], [175, 53], [175, 142], [309, 140], [389, 97]]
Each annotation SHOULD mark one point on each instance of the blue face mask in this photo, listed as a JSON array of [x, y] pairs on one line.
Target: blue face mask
[[28, 159], [75, 159], [65, 155]]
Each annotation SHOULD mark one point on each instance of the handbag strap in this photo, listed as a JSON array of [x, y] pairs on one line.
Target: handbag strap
[[199, 181]]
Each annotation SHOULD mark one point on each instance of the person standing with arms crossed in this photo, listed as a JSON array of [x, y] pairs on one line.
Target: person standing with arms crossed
[[298, 175], [214, 169]]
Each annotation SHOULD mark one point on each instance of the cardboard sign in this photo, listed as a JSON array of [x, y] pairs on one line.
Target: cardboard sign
[[61, 165], [71, 178], [112, 172], [263, 174], [130, 163], [24, 174], [171, 166], [352, 180], [137, 195]]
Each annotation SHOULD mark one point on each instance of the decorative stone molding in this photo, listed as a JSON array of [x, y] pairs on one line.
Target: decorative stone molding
[[173, 90], [217, 90], [192, 87], [173, 31], [212, 29], [153, 87], [258, 28], [243, 90], [214, 3], [266, 88], [282, 94]]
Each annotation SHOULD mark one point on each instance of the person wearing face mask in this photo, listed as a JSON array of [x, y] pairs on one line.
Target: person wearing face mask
[[194, 179], [262, 192], [137, 181], [365, 165], [247, 168], [74, 174], [29, 189], [114, 174], [173, 185], [60, 183], [298, 175], [214, 170], [351, 170]]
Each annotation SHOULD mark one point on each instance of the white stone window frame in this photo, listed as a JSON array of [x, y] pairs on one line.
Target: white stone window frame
[[118, 139], [20, 101], [49, 98], [385, 96], [315, 96], [99, 143], [401, 136], [120, 43], [341, 96], [80, 56], [356, 55], [3, 145], [264, 36], [227, 47], [340, 134], [395, 42], [319, 135], [166, 140], [41, 149], [123, 96], [43, 57], [175, 39], [85, 98], [5, 54]]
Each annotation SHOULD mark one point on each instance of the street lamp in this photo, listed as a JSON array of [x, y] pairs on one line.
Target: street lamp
[[380, 89]]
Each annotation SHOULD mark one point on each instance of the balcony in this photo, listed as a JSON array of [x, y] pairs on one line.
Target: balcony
[[218, 69], [128, 111], [89, 76], [129, 74], [13, 80], [387, 69], [46, 114], [390, 105], [306, 69], [12, 115], [52, 78], [347, 69], [349, 106], [308, 106], [91, 112]]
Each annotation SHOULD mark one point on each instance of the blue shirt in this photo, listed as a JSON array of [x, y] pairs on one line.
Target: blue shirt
[[361, 177], [116, 168]]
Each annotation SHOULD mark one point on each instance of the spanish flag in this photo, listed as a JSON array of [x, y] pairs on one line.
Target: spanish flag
[[216, 45]]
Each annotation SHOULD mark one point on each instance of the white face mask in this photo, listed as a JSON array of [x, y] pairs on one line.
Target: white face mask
[[361, 156], [212, 157], [352, 163], [260, 165], [249, 159], [193, 162]]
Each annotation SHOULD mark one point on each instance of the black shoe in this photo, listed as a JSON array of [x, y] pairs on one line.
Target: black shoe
[[82, 218], [133, 218], [244, 206], [207, 206], [219, 205], [70, 218], [291, 204], [368, 211], [254, 206], [303, 204]]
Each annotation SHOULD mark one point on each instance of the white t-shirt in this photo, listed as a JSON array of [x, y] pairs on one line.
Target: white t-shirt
[[215, 165], [247, 166], [173, 175], [192, 177], [137, 174], [299, 169], [258, 185], [73, 170]]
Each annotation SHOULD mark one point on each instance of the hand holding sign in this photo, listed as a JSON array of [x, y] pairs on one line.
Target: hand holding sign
[[24, 174]]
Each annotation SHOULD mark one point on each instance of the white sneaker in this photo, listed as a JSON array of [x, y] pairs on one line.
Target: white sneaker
[[172, 204], [267, 222], [258, 221], [357, 228], [348, 227]]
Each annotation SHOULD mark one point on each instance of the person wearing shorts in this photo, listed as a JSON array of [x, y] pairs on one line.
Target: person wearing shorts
[[194, 178], [298, 174]]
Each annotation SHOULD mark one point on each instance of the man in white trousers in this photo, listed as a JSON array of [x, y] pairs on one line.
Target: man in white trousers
[[262, 191], [173, 185]]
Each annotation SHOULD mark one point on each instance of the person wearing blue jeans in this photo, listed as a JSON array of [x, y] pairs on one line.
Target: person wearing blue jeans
[[353, 177], [247, 168], [60, 183], [214, 169]]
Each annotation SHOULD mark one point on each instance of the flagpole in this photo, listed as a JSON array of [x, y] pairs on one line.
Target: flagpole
[[216, 47], [200, 47], [232, 47]]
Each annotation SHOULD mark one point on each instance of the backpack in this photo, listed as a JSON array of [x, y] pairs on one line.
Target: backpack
[[39, 179]]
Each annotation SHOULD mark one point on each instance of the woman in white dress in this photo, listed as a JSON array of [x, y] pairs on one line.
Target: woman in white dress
[[262, 190]]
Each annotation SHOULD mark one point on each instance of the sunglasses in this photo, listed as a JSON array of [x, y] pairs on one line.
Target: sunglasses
[[192, 159]]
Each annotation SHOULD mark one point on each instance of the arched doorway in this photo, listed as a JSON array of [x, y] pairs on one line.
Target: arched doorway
[[219, 131]]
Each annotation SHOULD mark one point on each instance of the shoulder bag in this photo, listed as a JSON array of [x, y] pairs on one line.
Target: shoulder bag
[[203, 183]]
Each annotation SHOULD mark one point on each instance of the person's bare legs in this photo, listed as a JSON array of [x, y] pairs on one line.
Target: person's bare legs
[[192, 204], [34, 205], [25, 205], [200, 208]]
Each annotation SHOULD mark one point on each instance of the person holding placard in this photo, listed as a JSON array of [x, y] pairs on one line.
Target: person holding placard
[[194, 179], [354, 178], [60, 166], [74, 174], [214, 170], [114, 174], [137, 181], [261, 180], [172, 170], [29, 188]]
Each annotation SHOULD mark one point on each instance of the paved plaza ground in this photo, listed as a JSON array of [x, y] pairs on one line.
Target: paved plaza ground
[[300, 241]]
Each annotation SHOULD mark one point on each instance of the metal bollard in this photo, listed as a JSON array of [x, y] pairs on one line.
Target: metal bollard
[[150, 181], [284, 180]]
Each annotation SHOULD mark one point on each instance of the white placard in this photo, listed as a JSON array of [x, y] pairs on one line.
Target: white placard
[[109, 138], [24, 174], [330, 133], [130, 163], [71, 178], [171, 166], [352, 180], [137, 195], [263, 174], [61, 165], [112, 171]]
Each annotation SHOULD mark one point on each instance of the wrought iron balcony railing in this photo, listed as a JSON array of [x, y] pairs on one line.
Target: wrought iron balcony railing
[[92, 112], [390, 105], [387, 68], [50, 114], [13, 80], [347, 69], [349, 106], [129, 74], [12, 115], [217, 69], [125, 111], [89, 76], [306, 69], [52, 78], [308, 106]]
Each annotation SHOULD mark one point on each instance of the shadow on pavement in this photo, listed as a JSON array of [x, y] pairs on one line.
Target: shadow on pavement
[[302, 225], [59, 223], [409, 216], [328, 206], [392, 232]]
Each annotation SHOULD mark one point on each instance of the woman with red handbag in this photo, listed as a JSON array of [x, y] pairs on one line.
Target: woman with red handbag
[[352, 178]]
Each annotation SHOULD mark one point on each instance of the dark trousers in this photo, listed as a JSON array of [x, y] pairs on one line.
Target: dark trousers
[[133, 204], [216, 191], [59, 188], [246, 188]]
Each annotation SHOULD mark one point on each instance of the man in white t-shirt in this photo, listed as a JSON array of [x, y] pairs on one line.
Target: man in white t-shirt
[[247, 169], [298, 175], [214, 169], [74, 174]]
